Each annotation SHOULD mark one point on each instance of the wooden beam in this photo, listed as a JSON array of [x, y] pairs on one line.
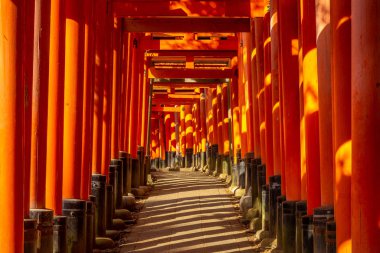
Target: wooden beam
[[177, 96], [139, 8], [165, 109], [183, 86], [187, 24], [193, 53], [174, 101], [189, 43], [188, 81], [190, 73]]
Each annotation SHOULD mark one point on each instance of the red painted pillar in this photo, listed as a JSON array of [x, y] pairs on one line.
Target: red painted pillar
[[225, 128], [27, 70], [145, 102], [220, 119], [189, 135], [182, 130], [275, 80], [127, 41], [202, 123], [268, 97], [209, 122], [242, 100], [260, 83], [255, 103], [154, 143], [88, 98], [301, 106], [116, 88], [365, 99], [100, 16], [133, 110], [107, 95], [289, 63], [161, 138], [54, 159], [341, 114], [214, 105], [11, 106], [168, 121], [325, 100], [236, 120], [311, 104], [73, 101], [39, 100], [246, 79]]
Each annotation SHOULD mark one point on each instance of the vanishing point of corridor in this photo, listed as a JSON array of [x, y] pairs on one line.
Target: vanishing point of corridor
[[188, 212]]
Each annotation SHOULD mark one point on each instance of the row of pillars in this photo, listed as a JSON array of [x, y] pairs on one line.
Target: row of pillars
[[72, 97], [305, 113]]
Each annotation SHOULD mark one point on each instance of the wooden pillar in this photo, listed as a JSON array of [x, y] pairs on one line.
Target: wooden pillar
[[27, 70], [107, 95], [133, 110], [260, 83], [100, 23], [145, 103], [214, 105], [11, 106], [275, 80], [325, 100], [161, 137], [182, 131], [301, 107], [127, 67], [116, 88], [202, 119], [341, 114], [242, 99], [225, 127], [209, 121], [235, 117], [268, 97], [155, 142], [73, 101], [255, 104], [220, 120], [88, 98], [39, 100], [365, 99], [246, 79], [311, 104], [168, 122], [290, 96]]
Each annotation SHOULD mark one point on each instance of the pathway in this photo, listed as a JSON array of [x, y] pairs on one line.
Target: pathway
[[188, 212]]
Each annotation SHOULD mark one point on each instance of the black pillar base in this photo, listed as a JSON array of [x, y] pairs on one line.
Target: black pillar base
[[98, 189], [75, 210], [189, 158]]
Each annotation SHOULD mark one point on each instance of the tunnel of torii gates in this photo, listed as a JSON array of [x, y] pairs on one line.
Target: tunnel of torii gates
[[281, 102]]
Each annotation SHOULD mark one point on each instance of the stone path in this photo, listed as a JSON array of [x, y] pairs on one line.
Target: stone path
[[187, 212]]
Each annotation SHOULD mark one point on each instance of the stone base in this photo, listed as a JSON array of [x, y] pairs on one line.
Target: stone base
[[233, 189], [252, 213], [113, 234], [223, 177], [118, 224], [103, 243], [245, 204], [174, 169], [262, 234], [123, 214], [139, 193], [228, 180], [255, 224], [129, 202], [239, 193]]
